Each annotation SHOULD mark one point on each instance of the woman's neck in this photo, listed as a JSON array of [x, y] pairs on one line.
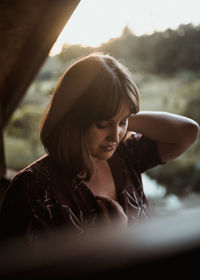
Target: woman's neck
[[101, 182]]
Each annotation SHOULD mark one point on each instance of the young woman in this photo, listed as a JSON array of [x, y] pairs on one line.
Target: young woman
[[98, 144]]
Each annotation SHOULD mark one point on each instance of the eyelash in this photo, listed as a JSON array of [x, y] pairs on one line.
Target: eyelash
[[105, 126], [100, 126]]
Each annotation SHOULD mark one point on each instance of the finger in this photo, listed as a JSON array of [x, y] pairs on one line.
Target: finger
[[114, 212], [110, 206], [120, 211], [104, 211], [113, 207], [121, 218]]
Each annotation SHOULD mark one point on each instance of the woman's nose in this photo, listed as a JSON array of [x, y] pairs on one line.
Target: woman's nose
[[115, 134]]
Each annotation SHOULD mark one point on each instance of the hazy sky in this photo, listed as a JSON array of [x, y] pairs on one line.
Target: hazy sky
[[96, 21]]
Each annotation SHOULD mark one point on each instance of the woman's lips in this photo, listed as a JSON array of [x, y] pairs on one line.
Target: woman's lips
[[109, 148]]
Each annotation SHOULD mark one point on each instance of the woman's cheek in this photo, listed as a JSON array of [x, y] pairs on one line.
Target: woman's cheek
[[124, 132], [126, 128]]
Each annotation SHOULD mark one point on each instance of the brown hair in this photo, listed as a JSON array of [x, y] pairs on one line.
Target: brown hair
[[90, 90]]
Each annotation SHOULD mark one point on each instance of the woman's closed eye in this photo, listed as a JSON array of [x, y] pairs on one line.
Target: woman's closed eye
[[102, 124], [105, 124]]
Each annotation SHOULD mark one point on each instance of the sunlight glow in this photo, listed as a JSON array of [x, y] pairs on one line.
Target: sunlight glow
[[96, 21]]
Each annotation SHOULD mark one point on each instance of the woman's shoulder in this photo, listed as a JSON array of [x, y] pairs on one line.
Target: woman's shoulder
[[41, 175], [34, 173], [38, 166]]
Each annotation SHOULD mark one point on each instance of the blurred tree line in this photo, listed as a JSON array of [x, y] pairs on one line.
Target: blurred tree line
[[163, 53]]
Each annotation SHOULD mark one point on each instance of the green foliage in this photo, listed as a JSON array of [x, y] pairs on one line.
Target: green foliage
[[19, 151], [192, 108], [22, 142], [25, 122], [177, 50]]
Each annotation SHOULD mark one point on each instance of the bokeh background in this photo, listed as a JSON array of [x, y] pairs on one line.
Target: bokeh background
[[159, 41]]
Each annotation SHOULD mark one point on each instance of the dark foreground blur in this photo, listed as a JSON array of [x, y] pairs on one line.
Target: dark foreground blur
[[158, 247]]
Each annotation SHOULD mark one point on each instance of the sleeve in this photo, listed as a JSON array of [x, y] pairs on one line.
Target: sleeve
[[15, 213], [142, 152]]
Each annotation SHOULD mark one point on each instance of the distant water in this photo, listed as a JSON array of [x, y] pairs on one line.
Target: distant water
[[152, 188], [166, 203]]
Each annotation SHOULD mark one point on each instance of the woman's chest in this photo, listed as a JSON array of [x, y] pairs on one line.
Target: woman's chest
[[102, 183]]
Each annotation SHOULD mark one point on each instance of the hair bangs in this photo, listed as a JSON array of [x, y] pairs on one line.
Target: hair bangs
[[100, 102], [132, 97], [109, 104]]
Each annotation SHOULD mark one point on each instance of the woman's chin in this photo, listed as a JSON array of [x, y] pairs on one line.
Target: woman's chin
[[103, 156]]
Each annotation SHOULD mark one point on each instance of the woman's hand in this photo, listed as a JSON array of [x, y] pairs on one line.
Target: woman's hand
[[112, 213]]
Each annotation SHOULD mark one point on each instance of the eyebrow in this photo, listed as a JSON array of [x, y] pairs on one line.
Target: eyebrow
[[127, 116], [111, 120]]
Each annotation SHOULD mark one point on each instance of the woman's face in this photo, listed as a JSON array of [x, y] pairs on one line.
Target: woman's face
[[103, 137]]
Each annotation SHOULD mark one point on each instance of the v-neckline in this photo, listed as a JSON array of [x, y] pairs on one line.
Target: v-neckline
[[115, 176], [116, 170], [84, 185]]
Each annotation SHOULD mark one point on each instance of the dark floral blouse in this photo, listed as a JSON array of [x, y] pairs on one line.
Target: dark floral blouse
[[41, 198]]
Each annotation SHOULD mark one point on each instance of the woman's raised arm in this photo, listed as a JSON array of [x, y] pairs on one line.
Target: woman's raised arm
[[174, 133]]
